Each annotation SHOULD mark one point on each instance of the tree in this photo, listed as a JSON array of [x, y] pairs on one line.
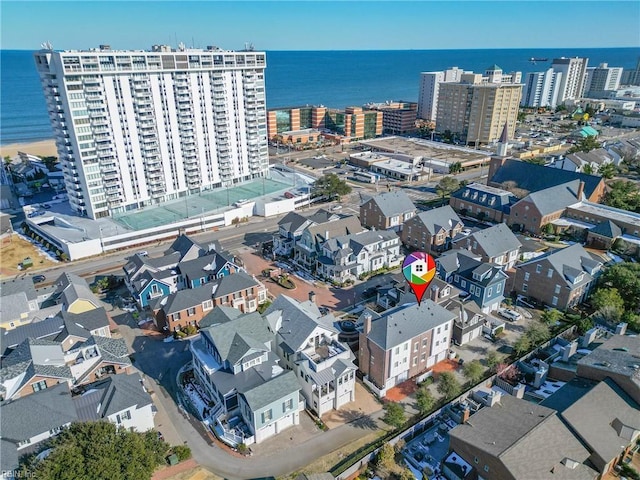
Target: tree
[[455, 167], [385, 458], [448, 386], [331, 186], [447, 185], [424, 400], [100, 450], [608, 170], [585, 145], [587, 168], [551, 316], [537, 333], [393, 414], [522, 116], [561, 108], [473, 370], [183, 452], [492, 360], [536, 161], [522, 345], [623, 194], [625, 278], [610, 297]]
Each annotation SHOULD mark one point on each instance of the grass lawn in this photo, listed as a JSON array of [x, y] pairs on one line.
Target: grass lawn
[[13, 250]]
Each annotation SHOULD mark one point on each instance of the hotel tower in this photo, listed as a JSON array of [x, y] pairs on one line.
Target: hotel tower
[[138, 128]]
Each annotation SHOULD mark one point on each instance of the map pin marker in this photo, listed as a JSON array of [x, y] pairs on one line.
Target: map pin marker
[[419, 268]]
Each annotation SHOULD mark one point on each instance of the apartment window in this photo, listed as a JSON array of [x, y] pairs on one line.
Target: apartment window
[[406, 347], [423, 357], [475, 459], [415, 347], [415, 361], [267, 416], [126, 415], [524, 287], [191, 312], [526, 276], [490, 291], [554, 301], [288, 405], [446, 327], [439, 328], [207, 305], [176, 316], [424, 343], [397, 350], [550, 273], [41, 385], [395, 365], [538, 268], [557, 290], [486, 468]]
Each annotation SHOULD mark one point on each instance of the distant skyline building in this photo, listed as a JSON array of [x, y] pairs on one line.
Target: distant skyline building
[[573, 71], [602, 78], [476, 108], [138, 128], [631, 76], [541, 89], [429, 89]]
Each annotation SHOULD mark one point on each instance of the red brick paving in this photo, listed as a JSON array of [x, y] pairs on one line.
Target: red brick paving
[[400, 392], [168, 472], [445, 366]]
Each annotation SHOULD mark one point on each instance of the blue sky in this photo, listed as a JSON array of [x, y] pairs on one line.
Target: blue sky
[[322, 25]]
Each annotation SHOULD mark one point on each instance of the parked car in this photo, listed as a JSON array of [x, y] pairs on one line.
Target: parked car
[[509, 314], [39, 278], [336, 207], [47, 206], [143, 253]]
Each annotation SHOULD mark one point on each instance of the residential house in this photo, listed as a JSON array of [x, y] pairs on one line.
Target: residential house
[[483, 201], [607, 420], [243, 378], [188, 249], [41, 357], [523, 178], [484, 282], [403, 343], [309, 247], [386, 211], [497, 245], [349, 256], [74, 294], [205, 269], [397, 292], [18, 302], [292, 225], [188, 307], [469, 321], [432, 231], [307, 342], [516, 439], [585, 161], [561, 278], [27, 422], [150, 278], [612, 359]]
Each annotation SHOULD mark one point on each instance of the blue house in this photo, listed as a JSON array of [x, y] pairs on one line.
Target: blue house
[[150, 286], [202, 270], [483, 282]]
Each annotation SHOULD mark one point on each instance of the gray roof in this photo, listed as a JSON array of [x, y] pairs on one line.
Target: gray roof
[[37, 413], [111, 395], [554, 199], [185, 245], [335, 228], [227, 382], [233, 283], [607, 229], [203, 266], [219, 314], [575, 257], [294, 222], [393, 203], [18, 285], [272, 390], [439, 218], [532, 177], [113, 350], [71, 287], [617, 357], [56, 328], [451, 260], [491, 197], [184, 299], [494, 241], [239, 337], [298, 320], [599, 416], [517, 431], [405, 322]]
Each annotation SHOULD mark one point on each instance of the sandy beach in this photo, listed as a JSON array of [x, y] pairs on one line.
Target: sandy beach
[[43, 148]]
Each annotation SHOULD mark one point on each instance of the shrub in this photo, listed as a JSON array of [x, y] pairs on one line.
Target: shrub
[[183, 452], [243, 448]]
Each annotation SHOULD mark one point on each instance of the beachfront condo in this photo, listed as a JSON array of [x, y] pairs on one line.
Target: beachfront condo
[[138, 128]]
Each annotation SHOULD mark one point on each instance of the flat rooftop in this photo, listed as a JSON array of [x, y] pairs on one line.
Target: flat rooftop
[[435, 151], [608, 212]]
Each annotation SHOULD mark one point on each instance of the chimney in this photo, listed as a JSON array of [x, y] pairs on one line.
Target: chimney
[[580, 190], [326, 235], [466, 413], [367, 323], [312, 297]]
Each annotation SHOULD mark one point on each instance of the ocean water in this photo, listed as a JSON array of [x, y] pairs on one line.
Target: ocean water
[[331, 78]]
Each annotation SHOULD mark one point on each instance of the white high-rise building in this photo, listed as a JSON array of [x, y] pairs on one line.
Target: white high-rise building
[[602, 78], [429, 89], [541, 89], [137, 128], [573, 72]]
